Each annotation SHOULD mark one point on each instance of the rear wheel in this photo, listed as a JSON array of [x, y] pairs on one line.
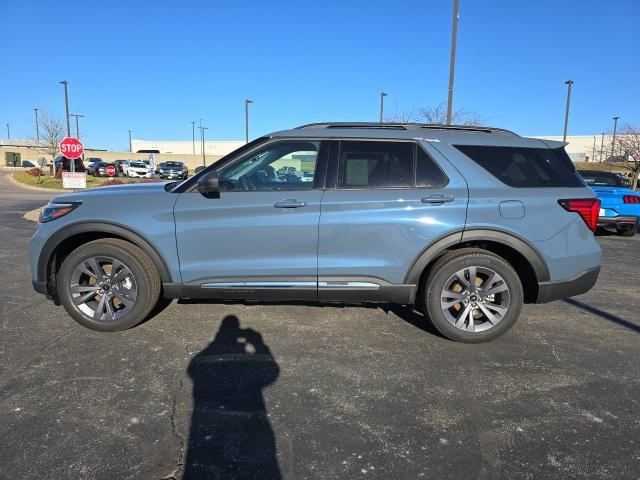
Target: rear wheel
[[627, 231], [108, 285], [472, 296]]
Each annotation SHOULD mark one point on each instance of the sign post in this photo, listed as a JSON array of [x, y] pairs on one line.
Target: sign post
[[72, 148]]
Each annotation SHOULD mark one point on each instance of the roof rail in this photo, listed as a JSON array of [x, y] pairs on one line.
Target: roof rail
[[407, 126]]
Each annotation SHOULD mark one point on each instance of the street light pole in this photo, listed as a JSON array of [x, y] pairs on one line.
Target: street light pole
[[8, 133], [202, 129], [72, 163], [452, 60], [566, 112], [382, 95], [613, 142], [246, 119], [37, 125], [66, 105], [193, 136], [593, 153], [130, 149], [77, 126], [601, 147]]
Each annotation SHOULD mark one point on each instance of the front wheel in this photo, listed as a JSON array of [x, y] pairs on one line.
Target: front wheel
[[108, 285], [472, 295]]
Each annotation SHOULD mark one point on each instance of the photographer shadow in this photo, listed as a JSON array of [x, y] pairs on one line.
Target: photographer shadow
[[230, 435]]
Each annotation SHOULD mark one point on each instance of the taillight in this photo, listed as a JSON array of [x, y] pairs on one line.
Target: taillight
[[587, 208], [631, 199]]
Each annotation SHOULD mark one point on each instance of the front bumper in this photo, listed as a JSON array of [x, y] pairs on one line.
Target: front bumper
[[618, 220], [174, 175], [581, 283]]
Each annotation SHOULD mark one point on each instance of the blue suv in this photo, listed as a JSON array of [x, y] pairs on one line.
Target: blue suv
[[464, 223]]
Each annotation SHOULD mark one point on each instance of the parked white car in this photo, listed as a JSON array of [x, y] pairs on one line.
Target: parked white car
[[138, 169]]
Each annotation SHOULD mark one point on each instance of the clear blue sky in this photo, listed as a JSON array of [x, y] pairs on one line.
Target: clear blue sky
[[152, 67]]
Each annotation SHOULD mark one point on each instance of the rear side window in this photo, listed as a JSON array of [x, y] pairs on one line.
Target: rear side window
[[525, 167], [375, 164], [428, 174]]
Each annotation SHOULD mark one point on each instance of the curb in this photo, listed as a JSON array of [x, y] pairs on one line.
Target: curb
[[29, 187]]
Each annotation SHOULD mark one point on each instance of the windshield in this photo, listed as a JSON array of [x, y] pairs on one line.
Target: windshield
[[172, 165], [602, 179], [138, 165]]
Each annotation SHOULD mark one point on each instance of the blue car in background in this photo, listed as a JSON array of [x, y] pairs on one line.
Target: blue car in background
[[620, 206]]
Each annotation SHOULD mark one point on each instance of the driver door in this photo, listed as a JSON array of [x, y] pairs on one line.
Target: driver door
[[259, 239]]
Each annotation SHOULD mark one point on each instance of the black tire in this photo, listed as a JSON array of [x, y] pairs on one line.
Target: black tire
[[143, 274], [628, 231], [440, 274]]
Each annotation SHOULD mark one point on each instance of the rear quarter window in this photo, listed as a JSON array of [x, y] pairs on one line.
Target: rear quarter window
[[523, 167]]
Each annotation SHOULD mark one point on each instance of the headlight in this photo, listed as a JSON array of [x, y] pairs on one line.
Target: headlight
[[52, 211]]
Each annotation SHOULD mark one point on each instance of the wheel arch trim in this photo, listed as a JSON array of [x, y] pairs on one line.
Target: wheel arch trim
[[509, 239], [98, 227]]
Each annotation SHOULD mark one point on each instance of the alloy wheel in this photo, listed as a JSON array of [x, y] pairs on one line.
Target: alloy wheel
[[475, 299], [103, 288]]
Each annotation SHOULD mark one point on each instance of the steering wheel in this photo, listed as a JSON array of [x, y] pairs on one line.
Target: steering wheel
[[246, 183]]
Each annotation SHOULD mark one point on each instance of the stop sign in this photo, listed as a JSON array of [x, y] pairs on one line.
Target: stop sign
[[111, 170], [71, 147]]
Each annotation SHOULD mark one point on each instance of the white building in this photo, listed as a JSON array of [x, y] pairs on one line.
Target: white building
[[187, 147], [584, 148]]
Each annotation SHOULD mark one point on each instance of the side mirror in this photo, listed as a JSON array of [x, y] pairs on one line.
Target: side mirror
[[208, 185]]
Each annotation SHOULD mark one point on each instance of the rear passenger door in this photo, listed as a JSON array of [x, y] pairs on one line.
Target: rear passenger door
[[385, 202]]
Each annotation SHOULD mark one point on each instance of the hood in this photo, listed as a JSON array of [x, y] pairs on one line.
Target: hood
[[119, 190]]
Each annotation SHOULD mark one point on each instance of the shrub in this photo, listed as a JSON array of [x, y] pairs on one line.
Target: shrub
[[111, 181], [34, 172]]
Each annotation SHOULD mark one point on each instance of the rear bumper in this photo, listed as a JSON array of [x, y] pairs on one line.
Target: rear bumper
[[617, 221], [582, 283]]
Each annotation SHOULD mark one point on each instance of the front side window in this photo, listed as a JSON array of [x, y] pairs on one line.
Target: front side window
[[367, 164], [283, 165]]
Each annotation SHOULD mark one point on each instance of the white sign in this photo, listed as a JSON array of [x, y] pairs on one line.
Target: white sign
[[74, 180]]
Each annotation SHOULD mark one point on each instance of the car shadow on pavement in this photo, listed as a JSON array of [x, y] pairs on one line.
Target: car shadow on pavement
[[230, 435], [601, 313]]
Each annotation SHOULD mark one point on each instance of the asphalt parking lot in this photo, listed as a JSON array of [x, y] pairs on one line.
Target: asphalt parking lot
[[210, 390]]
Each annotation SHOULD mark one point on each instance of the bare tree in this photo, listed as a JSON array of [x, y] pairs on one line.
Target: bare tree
[[628, 143], [437, 115], [52, 131]]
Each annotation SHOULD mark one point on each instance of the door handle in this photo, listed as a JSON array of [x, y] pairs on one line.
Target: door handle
[[289, 203], [437, 198]]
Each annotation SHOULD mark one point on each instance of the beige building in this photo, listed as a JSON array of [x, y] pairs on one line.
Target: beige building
[[584, 148], [14, 153], [187, 147]]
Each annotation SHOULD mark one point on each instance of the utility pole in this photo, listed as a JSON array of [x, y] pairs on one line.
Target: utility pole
[[202, 129], [72, 163], [593, 154], [8, 133], [566, 112], [77, 127], [246, 119], [613, 142], [452, 60], [382, 95], [601, 147], [130, 149], [193, 137], [37, 125]]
